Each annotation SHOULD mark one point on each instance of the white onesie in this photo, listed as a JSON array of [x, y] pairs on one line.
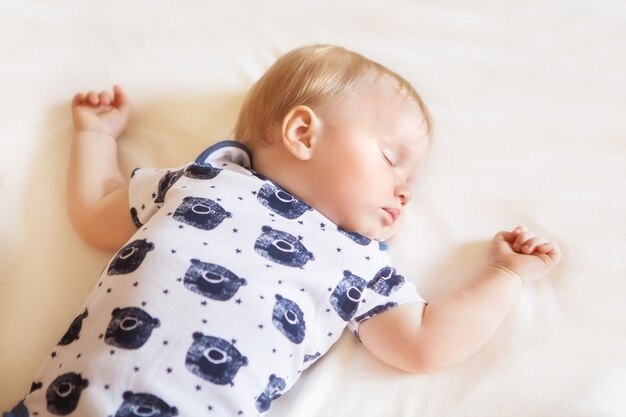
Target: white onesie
[[228, 290]]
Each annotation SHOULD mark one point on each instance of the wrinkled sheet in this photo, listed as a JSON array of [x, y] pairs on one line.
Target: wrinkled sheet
[[529, 103]]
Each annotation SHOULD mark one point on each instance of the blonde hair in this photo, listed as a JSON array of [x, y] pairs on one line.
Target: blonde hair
[[314, 76]]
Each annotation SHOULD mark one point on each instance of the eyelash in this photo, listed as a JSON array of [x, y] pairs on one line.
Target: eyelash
[[388, 160]]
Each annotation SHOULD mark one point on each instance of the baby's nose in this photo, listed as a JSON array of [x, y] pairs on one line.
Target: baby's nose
[[404, 194]]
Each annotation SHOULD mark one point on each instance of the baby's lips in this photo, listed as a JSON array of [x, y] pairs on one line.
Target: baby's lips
[[394, 213]]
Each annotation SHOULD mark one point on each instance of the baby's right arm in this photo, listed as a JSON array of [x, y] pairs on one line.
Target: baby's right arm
[[97, 192]]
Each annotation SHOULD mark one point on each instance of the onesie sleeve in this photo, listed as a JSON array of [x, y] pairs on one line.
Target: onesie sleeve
[[147, 190], [385, 291]]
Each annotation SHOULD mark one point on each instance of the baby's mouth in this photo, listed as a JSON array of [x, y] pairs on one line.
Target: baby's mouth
[[391, 215]]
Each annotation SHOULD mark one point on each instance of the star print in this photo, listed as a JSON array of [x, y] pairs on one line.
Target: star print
[[204, 243], [143, 206], [240, 198], [238, 301], [280, 282], [165, 343], [173, 250], [224, 164], [166, 292], [367, 258], [268, 265], [302, 289], [233, 341], [179, 279], [136, 369], [101, 336], [338, 249], [108, 290], [135, 284], [204, 321], [54, 355], [328, 310], [210, 408], [198, 388], [112, 352], [262, 298], [169, 370], [203, 303], [329, 289], [330, 334], [240, 412], [213, 186], [274, 350], [143, 303], [237, 250], [100, 284], [153, 195], [300, 221], [78, 356], [218, 199], [300, 237], [169, 214], [235, 230], [260, 326], [106, 386], [322, 225], [180, 226]]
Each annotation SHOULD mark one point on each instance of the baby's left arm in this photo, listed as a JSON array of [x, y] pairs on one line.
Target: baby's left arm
[[452, 327]]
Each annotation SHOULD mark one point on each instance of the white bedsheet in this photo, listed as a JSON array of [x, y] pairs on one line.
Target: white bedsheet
[[529, 102]]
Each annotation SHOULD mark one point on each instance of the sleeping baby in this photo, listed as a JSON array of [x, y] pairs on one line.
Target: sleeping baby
[[237, 271]]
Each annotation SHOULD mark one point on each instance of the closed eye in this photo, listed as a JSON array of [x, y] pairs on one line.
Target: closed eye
[[388, 160]]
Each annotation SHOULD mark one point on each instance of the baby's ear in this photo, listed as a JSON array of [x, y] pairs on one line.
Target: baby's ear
[[300, 129]]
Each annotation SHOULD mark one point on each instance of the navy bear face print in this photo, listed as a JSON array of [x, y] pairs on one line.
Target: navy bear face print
[[212, 281], [202, 171], [73, 332], [347, 295], [144, 405], [130, 328], [273, 390], [214, 359], [202, 213], [281, 202], [376, 310], [130, 257], [166, 183], [289, 319], [386, 281], [63, 394], [356, 237], [282, 247]]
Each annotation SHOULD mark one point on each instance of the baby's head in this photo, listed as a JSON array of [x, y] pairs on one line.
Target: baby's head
[[340, 132]]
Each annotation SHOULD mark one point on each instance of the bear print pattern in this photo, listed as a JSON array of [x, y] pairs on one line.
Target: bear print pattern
[[212, 281], [386, 281], [248, 296], [130, 257], [282, 248], [144, 405], [166, 183], [201, 171], [73, 332], [347, 295], [202, 213], [281, 202], [130, 328], [289, 319], [214, 359], [63, 394], [274, 389]]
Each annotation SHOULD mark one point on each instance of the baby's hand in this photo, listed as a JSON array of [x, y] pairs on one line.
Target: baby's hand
[[523, 253], [101, 112]]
